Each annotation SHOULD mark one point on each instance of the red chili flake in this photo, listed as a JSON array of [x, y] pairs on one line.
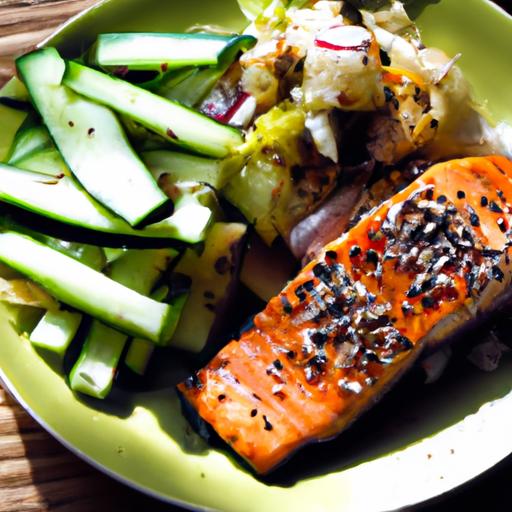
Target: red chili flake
[[164, 67], [171, 134]]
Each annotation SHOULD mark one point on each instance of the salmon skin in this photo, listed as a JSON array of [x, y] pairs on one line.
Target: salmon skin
[[413, 271]]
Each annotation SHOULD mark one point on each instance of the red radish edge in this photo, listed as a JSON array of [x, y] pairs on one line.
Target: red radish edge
[[345, 34]]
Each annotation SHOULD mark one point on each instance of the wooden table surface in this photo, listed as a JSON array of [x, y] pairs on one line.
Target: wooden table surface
[[36, 472]]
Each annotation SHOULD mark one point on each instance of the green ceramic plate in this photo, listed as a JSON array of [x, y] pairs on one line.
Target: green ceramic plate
[[419, 443]]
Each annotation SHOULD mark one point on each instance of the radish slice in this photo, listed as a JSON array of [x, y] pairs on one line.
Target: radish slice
[[243, 115], [236, 109], [345, 37]]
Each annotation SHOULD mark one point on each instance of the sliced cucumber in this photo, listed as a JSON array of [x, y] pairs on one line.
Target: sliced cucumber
[[192, 215], [10, 121], [140, 350], [55, 331], [211, 274], [90, 255], [168, 80], [91, 140], [93, 373], [60, 198], [185, 167], [113, 254], [86, 289], [94, 370], [46, 161], [28, 141], [159, 51], [190, 88], [176, 123], [193, 88]]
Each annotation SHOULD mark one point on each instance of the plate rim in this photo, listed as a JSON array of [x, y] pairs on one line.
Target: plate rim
[[11, 389]]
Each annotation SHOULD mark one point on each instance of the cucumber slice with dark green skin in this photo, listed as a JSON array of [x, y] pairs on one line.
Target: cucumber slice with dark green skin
[[29, 141], [192, 87], [185, 167], [85, 289], [60, 198], [93, 373], [159, 51], [55, 331], [113, 254], [46, 161], [168, 80], [91, 140], [140, 350], [90, 255], [176, 123], [211, 274], [11, 120]]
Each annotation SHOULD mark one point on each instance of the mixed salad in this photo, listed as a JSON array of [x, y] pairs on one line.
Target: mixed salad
[[151, 181]]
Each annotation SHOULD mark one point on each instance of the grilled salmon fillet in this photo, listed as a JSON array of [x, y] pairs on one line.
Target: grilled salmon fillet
[[410, 273]]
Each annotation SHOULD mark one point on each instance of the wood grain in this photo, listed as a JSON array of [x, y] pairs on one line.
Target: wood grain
[[39, 474], [23, 23]]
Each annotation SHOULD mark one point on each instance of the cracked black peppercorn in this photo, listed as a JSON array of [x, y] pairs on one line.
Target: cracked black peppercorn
[[494, 207], [372, 256], [355, 250], [267, 425]]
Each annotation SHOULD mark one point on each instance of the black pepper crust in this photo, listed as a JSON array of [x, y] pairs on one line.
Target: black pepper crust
[[424, 235]]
